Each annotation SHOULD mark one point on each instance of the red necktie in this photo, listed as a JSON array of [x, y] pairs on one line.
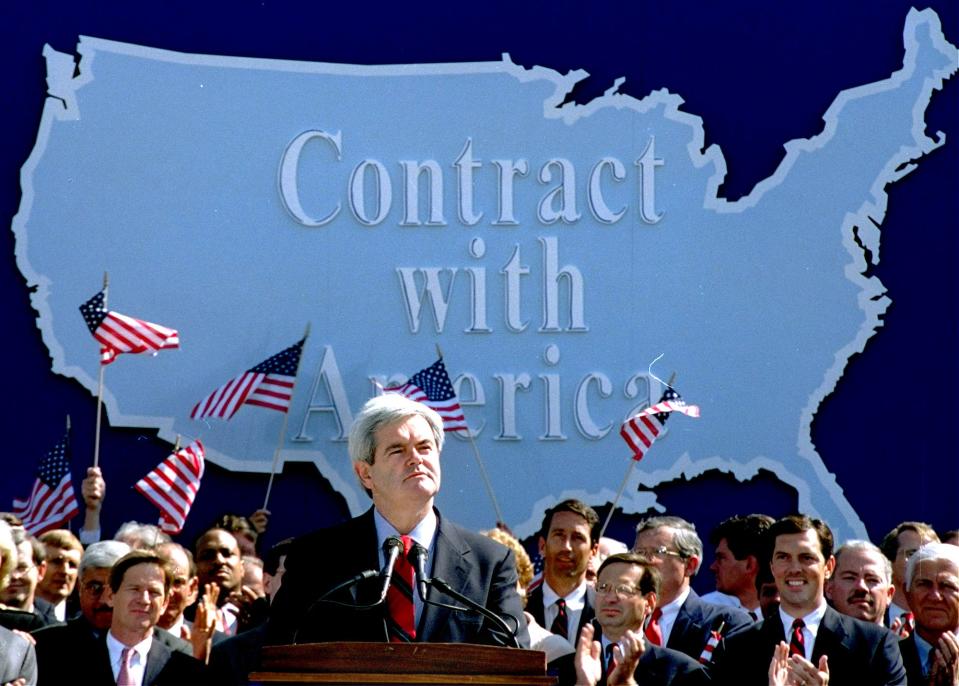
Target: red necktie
[[797, 643], [653, 633], [399, 598], [560, 625]]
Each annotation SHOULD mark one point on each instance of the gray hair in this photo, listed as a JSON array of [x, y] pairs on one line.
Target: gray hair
[[685, 538], [381, 411], [867, 547], [102, 555], [138, 535], [8, 553], [929, 552]]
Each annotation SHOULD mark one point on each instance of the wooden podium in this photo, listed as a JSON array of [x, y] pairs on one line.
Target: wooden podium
[[400, 663]]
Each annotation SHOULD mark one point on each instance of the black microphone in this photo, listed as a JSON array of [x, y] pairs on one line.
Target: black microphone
[[353, 580], [495, 619], [417, 558], [392, 549]]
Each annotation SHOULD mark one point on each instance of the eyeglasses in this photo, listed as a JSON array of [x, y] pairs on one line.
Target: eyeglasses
[[621, 591], [657, 553]]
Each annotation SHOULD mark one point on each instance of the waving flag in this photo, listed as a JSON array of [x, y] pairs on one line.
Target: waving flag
[[432, 387], [268, 384], [52, 501], [641, 430], [118, 333], [172, 486]]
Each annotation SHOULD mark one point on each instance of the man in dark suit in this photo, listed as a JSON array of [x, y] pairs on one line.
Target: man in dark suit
[[395, 446], [626, 593], [61, 648], [811, 642], [682, 621], [129, 652], [931, 652], [563, 602]]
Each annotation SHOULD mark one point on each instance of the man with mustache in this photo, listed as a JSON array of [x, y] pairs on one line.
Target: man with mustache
[[395, 446], [861, 585]]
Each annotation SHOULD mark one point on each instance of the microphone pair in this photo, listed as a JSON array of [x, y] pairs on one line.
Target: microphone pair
[[393, 547]]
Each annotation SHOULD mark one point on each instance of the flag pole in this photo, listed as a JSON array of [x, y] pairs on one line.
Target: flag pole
[[482, 468], [286, 419], [629, 470], [96, 438]]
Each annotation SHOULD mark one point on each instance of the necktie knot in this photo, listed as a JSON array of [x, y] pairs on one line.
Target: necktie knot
[[654, 633], [399, 597]]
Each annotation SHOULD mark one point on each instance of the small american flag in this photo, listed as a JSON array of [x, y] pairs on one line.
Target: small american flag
[[268, 384], [432, 387], [537, 580], [52, 501], [641, 430], [172, 486], [118, 333], [715, 636]]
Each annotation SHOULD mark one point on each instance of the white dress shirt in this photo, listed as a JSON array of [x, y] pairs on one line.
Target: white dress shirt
[[809, 631], [670, 613], [138, 661], [575, 602]]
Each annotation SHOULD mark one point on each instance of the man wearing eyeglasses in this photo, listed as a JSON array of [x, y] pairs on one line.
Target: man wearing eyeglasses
[[899, 545], [682, 621], [626, 592]]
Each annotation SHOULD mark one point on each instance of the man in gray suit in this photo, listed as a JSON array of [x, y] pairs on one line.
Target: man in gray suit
[[395, 446]]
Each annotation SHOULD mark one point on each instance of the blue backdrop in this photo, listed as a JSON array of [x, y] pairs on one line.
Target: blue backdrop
[[758, 73]]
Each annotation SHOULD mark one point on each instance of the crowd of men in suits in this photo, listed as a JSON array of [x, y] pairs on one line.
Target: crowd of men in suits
[[789, 607]]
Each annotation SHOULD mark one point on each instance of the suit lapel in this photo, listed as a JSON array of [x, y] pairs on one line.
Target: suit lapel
[[157, 658], [831, 638], [451, 560], [534, 604]]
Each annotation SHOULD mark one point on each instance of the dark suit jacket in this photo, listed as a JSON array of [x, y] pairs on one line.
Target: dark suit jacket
[[164, 667], [658, 666], [534, 605], [910, 660], [17, 658], [695, 622], [474, 565], [859, 653], [44, 609], [235, 657], [63, 649]]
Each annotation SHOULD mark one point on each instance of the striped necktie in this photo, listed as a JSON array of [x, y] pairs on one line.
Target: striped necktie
[[560, 625], [399, 598], [797, 642]]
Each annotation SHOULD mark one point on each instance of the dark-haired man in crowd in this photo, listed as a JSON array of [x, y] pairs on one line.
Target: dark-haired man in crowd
[[739, 544], [898, 546], [563, 603], [806, 641], [395, 445], [19, 595], [682, 621], [130, 653], [626, 593], [218, 562], [931, 652]]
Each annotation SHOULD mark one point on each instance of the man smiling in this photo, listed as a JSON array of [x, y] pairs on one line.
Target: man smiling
[[395, 445], [807, 642]]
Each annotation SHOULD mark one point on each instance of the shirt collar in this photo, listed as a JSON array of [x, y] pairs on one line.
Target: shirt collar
[[672, 608], [811, 620], [576, 600], [115, 647], [422, 533]]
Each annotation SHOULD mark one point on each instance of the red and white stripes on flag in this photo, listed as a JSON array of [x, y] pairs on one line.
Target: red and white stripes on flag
[[52, 500], [117, 333], [641, 430], [715, 636], [268, 384], [172, 486]]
